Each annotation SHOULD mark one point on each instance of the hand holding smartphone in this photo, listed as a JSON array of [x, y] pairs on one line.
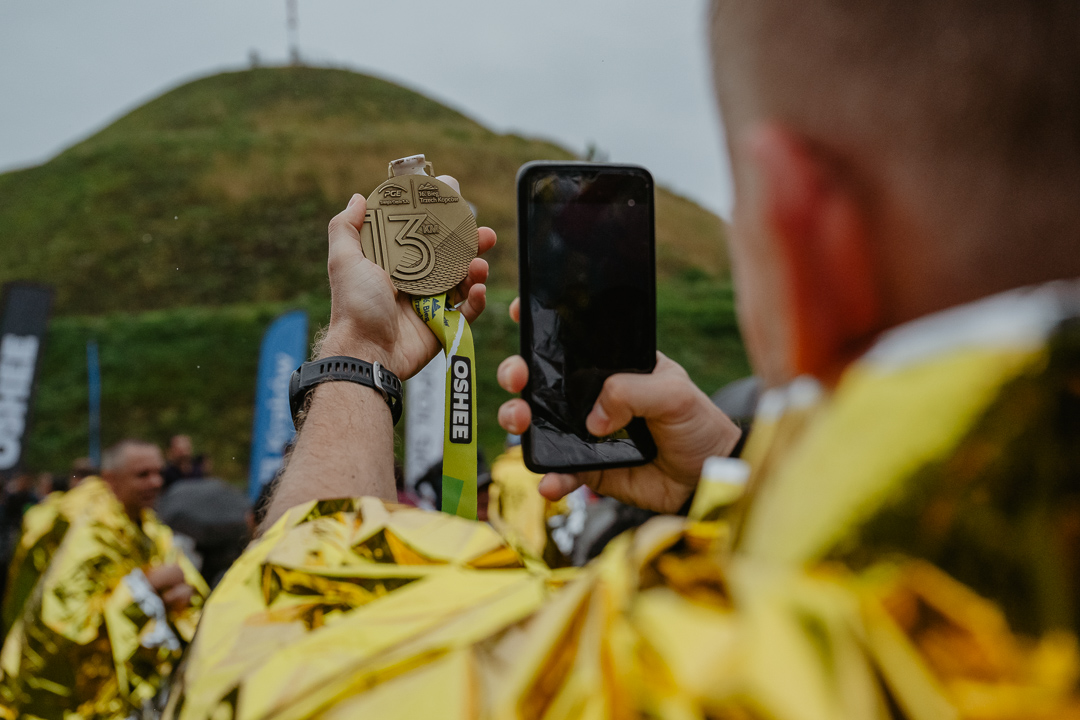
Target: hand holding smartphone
[[588, 306]]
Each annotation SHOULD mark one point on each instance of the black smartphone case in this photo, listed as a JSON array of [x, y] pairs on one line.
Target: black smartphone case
[[637, 430]]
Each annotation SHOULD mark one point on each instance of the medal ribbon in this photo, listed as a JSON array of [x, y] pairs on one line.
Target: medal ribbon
[[459, 419]]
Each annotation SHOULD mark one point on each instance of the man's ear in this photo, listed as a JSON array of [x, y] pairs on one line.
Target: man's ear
[[818, 219]]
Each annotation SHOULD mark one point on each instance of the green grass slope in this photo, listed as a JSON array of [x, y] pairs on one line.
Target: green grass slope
[[220, 190], [175, 235]]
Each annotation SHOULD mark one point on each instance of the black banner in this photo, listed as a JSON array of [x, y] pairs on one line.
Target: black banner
[[23, 325]]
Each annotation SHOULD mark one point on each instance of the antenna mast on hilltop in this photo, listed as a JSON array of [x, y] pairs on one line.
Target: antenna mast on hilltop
[[292, 28]]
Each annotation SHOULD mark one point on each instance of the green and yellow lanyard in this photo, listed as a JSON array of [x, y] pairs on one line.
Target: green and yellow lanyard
[[459, 418]]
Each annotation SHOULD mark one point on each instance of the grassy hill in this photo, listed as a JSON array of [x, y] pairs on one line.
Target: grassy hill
[[175, 235], [220, 191]]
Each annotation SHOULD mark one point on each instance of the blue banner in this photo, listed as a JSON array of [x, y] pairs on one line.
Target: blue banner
[[284, 348], [93, 382]]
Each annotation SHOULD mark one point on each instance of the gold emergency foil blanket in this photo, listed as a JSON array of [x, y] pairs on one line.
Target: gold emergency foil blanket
[[664, 624], [43, 527], [82, 646], [864, 582], [520, 513], [340, 597]]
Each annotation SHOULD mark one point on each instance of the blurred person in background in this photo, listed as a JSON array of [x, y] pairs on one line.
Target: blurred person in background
[[18, 496], [181, 462], [208, 516], [48, 483], [427, 492], [101, 603], [210, 520], [30, 555]]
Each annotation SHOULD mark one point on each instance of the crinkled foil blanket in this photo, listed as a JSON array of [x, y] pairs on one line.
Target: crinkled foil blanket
[[84, 641], [358, 609]]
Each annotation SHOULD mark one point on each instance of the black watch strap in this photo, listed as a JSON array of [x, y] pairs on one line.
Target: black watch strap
[[307, 376]]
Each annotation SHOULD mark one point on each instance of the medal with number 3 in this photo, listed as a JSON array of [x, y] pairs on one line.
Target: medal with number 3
[[419, 230]]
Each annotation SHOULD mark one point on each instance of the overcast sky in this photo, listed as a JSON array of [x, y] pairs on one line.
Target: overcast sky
[[630, 76]]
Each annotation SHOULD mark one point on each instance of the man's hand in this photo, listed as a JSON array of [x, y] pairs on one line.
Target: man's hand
[[369, 318], [168, 582], [685, 424], [346, 446]]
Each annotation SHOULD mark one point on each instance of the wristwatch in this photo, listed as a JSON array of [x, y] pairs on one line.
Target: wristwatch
[[372, 375]]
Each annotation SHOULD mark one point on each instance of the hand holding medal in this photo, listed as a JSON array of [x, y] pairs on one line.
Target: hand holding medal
[[422, 233]]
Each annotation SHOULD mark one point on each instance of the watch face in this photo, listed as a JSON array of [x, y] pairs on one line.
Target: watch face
[[420, 231]]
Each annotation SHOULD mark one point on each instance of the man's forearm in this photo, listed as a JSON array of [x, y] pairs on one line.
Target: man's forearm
[[345, 449]]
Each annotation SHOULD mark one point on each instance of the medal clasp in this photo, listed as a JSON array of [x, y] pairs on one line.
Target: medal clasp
[[412, 165]]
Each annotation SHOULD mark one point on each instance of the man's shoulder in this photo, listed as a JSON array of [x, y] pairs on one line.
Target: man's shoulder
[[88, 494], [967, 458]]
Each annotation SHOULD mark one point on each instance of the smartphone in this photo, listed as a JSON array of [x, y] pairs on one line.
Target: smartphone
[[587, 281]]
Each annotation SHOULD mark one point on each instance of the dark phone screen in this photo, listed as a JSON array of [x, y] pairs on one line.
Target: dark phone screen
[[588, 235]]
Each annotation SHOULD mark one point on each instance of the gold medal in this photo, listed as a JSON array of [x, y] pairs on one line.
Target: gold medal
[[419, 230]]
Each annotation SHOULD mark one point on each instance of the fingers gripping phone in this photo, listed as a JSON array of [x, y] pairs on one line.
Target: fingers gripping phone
[[587, 280]]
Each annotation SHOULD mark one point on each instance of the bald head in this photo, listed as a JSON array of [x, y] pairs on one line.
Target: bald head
[[132, 468], [963, 114]]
